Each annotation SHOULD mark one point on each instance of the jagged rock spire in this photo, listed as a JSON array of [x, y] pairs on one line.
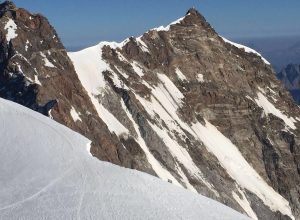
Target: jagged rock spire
[[6, 6], [192, 10]]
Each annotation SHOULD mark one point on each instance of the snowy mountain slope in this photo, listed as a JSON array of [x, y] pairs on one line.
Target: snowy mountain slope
[[172, 92], [47, 173], [177, 102]]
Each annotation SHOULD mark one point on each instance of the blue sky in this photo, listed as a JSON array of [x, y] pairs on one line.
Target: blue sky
[[86, 22]]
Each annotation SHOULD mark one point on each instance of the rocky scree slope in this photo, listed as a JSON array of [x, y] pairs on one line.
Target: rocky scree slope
[[207, 113], [178, 102]]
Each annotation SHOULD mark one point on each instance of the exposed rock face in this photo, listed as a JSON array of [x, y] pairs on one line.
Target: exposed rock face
[[290, 76], [204, 112], [35, 71], [178, 102]]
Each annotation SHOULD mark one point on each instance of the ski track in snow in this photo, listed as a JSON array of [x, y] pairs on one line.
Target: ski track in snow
[[34, 195], [56, 178]]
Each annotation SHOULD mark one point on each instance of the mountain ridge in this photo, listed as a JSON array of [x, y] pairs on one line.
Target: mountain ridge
[[136, 48], [168, 103]]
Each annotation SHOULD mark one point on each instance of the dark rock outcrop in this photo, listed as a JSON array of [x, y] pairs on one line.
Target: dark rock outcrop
[[35, 71], [290, 76]]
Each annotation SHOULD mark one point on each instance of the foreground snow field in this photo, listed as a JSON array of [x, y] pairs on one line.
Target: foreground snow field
[[46, 172]]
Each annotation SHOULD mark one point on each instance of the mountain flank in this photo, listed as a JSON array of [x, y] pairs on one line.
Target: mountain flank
[[179, 102]]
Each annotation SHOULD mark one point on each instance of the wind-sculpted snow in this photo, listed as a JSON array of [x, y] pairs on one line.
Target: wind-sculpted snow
[[47, 173]]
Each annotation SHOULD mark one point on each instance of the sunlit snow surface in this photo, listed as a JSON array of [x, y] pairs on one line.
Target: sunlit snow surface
[[269, 108], [240, 170], [75, 115], [47, 173], [46, 61], [11, 28], [90, 75]]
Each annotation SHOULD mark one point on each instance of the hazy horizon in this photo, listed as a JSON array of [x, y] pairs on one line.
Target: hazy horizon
[[80, 23]]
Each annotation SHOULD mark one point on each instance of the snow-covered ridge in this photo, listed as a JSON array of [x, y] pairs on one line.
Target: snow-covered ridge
[[90, 73], [167, 28], [47, 173], [246, 49]]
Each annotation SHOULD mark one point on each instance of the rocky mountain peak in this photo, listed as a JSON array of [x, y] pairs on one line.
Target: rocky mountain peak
[[35, 71], [179, 102], [192, 10], [193, 16], [173, 90], [6, 6]]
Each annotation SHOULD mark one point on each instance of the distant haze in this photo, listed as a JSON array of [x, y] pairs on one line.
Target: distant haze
[[279, 51], [80, 23]]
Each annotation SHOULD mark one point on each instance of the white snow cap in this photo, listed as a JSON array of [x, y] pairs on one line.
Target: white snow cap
[[56, 178], [167, 28]]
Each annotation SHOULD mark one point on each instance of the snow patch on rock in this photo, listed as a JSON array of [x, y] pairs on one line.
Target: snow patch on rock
[[180, 75], [11, 28], [36, 80], [137, 69], [200, 78], [244, 203], [172, 91], [161, 172], [142, 44], [46, 61], [269, 108], [75, 115], [238, 168], [89, 67], [183, 157]]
